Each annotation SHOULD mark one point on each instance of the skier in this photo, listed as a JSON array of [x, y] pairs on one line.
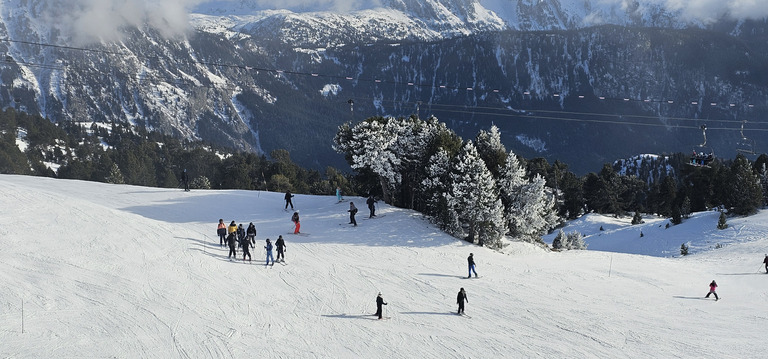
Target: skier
[[712, 287], [338, 194], [251, 233], [295, 220], [185, 180], [280, 244], [232, 228], [288, 201], [221, 230], [471, 264], [246, 243], [232, 241], [765, 261], [379, 303], [352, 211], [268, 247], [460, 300], [371, 206], [240, 234]]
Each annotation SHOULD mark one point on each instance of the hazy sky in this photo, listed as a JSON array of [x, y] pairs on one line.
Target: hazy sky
[[103, 19]]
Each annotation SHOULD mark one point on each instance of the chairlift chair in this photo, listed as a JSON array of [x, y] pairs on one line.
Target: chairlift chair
[[702, 155], [746, 145]]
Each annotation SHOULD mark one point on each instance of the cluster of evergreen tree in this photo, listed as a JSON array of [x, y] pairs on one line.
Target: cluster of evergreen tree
[[474, 190], [119, 153], [478, 191]]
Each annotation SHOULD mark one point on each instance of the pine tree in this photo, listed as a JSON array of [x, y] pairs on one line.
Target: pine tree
[[491, 150], [475, 199], [721, 222], [115, 176], [436, 187], [576, 241], [685, 208], [763, 173], [531, 212], [560, 241], [745, 194]]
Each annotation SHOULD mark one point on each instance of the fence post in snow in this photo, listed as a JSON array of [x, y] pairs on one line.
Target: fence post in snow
[[610, 267]]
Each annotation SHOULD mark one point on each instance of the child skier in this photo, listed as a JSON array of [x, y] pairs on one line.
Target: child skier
[[712, 287], [295, 219], [338, 194], [268, 247], [232, 241], [460, 298], [280, 244], [221, 230], [352, 211]]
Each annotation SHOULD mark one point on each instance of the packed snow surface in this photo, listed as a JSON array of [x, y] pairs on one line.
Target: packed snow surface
[[123, 271]]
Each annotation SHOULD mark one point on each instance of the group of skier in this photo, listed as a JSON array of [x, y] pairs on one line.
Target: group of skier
[[235, 237], [461, 298]]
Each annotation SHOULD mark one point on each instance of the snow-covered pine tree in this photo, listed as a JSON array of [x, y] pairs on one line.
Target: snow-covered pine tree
[[436, 188], [511, 180], [475, 199], [491, 150], [530, 208], [576, 241]]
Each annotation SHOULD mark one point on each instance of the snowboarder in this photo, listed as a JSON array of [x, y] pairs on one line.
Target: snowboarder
[[268, 247], [232, 241], [352, 211], [765, 261], [460, 300], [379, 303], [471, 264], [338, 194], [712, 287], [251, 233], [280, 244], [246, 243], [371, 206], [221, 230], [295, 220], [185, 180], [240, 234], [288, 201]]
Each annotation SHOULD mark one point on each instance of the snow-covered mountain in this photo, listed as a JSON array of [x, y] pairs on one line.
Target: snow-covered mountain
[[98, 270], [247, 75]]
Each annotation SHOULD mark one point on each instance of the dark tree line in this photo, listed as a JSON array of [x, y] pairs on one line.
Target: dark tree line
[[127, 154]]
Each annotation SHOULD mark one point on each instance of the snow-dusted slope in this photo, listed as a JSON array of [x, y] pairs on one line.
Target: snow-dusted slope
[[121, 271]]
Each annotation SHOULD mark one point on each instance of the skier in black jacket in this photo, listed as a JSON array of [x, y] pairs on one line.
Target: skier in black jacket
[[240, 234], [251, 233], [379, 303], [460, 300], [288, 201], [371, 206], [246, 244], [280, 244], [232, 241]]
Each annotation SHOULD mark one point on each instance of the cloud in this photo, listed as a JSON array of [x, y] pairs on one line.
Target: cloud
[[106, 20], [709, 11]]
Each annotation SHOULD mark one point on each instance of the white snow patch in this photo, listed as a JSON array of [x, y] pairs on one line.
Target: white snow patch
[[536, 144], [330, 90]]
